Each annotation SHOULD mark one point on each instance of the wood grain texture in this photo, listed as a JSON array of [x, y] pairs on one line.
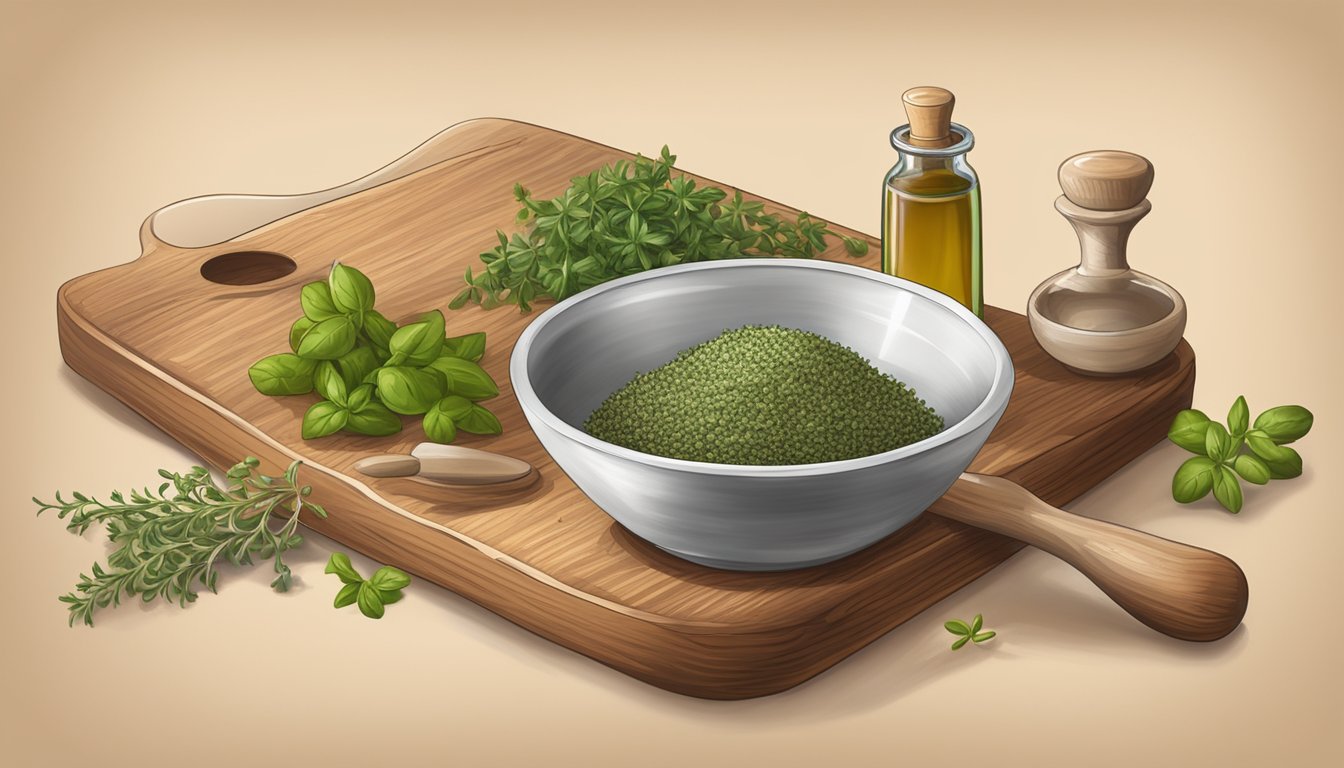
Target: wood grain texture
[[175, 347]]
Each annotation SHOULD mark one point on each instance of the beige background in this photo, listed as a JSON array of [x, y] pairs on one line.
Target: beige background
[[112, 110]]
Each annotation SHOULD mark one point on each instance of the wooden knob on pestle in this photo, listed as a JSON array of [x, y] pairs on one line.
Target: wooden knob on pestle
[[929, 110], [1106, 180]]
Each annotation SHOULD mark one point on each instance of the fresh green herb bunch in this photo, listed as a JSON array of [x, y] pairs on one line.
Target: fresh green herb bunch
[[381, 589], [367, 370], [1222, 458], [625, 218], [764, 395], [165, 542]]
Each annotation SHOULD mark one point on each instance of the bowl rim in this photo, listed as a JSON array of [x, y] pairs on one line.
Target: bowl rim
[[988, 409]]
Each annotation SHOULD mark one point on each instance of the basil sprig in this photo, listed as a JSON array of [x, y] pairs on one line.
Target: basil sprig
[[369, 372], [372, 595], [1256, 453]]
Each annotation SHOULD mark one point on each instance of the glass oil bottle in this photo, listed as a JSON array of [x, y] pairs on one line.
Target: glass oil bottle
[[931, 202]]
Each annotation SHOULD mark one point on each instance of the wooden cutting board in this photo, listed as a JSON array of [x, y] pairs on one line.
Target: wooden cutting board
[[175, 346]]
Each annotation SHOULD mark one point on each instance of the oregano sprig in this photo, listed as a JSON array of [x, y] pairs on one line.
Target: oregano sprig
[[625, 218], [169, 540], [969, 633], [1256, 452]]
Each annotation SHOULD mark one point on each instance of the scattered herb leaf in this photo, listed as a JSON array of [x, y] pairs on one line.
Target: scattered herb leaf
[[969, 632]]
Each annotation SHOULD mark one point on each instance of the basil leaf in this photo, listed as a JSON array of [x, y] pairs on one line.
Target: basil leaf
[[983, 636], [1285, 424], [357, 364], [438, 424], [360, 397], [1239, 417], [1227, 489], [956, 644], [1286, 465], [419, 343], [297, 330], [317, 302], [957, 627], [1252, 469], [370, 602], [351, 291], [346, 596], [455, 406], [329, 384], [378, 330], [340, 564], [282, 374], [977, 623], [389, 596], [1188, 430], [409, 390], [470, 347], [374, 420], [1193, 480], [324, 418], [1218, 443], [466, 378], [328, 339], [389, 578], [1264, 447], [479, 422]]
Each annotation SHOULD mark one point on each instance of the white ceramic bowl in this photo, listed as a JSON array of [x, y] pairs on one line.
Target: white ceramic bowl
[[572, 357]]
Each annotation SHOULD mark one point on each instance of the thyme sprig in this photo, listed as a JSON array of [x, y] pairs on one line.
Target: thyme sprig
[[625, 218], [167, 542]]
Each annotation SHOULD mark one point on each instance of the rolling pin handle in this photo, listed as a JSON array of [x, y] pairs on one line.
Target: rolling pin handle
[[1181, 591]]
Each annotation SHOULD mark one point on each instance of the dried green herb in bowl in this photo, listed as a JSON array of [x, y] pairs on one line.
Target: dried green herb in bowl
[[764, 395]]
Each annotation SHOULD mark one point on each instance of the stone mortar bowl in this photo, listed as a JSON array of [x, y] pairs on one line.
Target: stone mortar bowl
[[760, 518]]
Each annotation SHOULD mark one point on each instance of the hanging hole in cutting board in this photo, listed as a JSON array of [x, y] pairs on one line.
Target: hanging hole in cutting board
[[247, 267]]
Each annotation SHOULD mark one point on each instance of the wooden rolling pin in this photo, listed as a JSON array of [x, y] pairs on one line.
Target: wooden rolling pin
[[1179, 590]]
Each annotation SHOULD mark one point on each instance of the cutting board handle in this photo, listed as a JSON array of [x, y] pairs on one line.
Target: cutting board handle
[[199, 222], [1182, 591]]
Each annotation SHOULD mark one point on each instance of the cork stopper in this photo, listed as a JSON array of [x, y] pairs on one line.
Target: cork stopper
[[929, 110], [1106, 180]]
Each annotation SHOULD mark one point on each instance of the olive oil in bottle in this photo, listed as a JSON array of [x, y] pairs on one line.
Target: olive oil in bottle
[[931, 202]]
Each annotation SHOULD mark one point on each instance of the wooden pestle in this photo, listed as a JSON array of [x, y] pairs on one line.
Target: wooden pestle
[[1179, 590]]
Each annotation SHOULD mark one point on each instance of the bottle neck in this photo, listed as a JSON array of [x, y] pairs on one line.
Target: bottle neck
[[932, 176], [920, 163]]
